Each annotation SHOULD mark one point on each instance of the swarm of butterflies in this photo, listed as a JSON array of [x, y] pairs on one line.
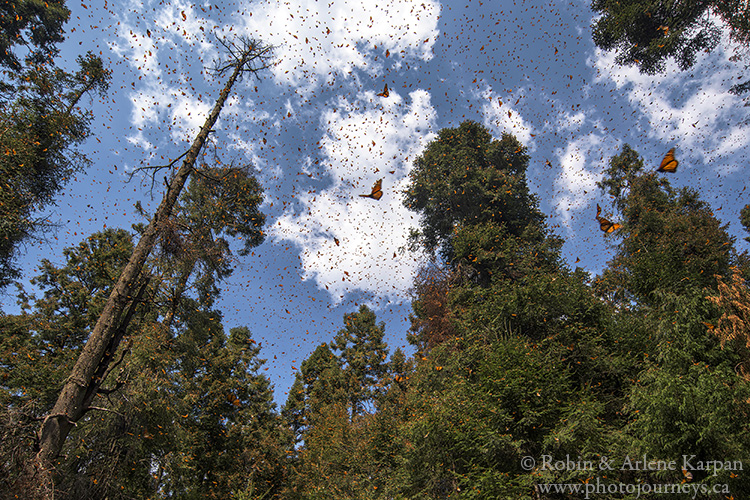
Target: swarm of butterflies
[[668, 164]]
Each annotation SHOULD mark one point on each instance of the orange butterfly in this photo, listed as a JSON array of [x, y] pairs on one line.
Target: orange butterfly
[[385, 92], [604, 224], [335, 240], [668, 164], [377, 191], [688, 475]]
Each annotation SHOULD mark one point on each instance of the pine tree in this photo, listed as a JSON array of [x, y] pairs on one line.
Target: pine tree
[[671, 240], [83, 383], [363, 354], [529, 345], [648, 32], [40, 124]]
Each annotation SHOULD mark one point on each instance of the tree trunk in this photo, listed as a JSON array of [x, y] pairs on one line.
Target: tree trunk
[[82, 384]]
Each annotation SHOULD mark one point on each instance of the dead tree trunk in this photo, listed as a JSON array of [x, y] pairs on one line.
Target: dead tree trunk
[[83, 383]]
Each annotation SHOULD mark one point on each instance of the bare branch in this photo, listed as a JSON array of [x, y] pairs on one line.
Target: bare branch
[[250, 55], [155, 170]]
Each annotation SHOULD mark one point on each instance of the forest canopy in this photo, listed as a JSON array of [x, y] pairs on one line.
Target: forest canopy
[[571, 294]]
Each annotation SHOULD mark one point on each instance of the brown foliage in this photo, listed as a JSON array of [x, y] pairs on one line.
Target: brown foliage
[[432, 322], [734, 324]]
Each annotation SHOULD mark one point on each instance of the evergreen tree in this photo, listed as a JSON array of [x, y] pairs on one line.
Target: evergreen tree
[[317, 410], [41, 123], [37, 26], [54, 331], [671, 240], [464, 178], [183, 412], [685, 399], [193, 247], [85, 378], [648, 32], [40, 345], [120, 457], [332, 410], [530, 344], [231, 439], [688, 401], [363, 355]]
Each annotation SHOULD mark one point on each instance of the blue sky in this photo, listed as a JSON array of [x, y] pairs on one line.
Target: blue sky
[[318, 135]]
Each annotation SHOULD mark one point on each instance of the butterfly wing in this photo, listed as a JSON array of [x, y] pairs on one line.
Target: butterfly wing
[[604, 224], [377, 191], [608, 226], [668, 164]]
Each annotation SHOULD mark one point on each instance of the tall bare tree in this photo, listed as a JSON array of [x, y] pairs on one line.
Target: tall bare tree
[[244, 56]]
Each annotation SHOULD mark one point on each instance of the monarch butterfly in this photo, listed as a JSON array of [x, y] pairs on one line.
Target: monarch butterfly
[[668, 164], [604, 224], [688, 475], [377, 191], [608, 226], [385, 92], [335, 240]]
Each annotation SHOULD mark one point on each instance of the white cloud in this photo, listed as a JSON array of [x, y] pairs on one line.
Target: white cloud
[[572, 121], [500, 116], [317, 41], [165, 94], [314, 42], [366, 140], [581, 166], [689, 110]]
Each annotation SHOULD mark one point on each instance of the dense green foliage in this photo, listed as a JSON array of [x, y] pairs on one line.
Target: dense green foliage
[[517, 355], [35, 25], [40, 119], [647, 32], [184, 411]]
